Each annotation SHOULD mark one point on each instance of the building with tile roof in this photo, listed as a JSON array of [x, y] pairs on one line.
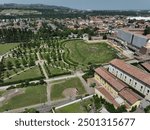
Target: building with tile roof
[[131, 75], [114, 90]]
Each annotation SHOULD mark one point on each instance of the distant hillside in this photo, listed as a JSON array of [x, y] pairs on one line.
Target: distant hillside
[[35, 6], [51, 11]]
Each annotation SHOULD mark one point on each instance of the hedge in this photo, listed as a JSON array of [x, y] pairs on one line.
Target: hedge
[[55, 75], [21, 81]]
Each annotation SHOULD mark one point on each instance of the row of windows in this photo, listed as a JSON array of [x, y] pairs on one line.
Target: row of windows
[[130, 81]]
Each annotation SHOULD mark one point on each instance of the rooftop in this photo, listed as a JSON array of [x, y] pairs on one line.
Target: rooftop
[[132, 71], [108, 96], [129, 96], [111, 79], [146, 65]]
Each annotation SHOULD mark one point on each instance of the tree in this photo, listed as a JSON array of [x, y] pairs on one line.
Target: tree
[[9, 65], [97, 102], [31, 62], [1, 68], [133, 109], [105, 37], [24, 62], [7, 73], [121, 109], [147, 109], [17, 64], [110, 107], [147, 31]]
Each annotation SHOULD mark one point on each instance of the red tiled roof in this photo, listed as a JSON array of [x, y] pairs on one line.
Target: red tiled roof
[[131, 70], [108, 96], [129, 96], [110, 79], [146, 66]]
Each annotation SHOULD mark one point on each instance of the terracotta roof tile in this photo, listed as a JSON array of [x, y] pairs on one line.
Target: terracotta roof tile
[[108, 96], [111, 79], [128, 95], [132, 71], [146, 66]]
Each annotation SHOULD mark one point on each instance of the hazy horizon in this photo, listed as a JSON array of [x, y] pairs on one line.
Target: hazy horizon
[[90, 4]]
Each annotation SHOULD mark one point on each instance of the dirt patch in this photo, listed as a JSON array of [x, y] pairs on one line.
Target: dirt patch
[[70, 92]]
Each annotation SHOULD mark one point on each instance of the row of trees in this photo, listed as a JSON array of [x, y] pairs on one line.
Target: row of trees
[[15, 35], [100, 102], [46, 32]]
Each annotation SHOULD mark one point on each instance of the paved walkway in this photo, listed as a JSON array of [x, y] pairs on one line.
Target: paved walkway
[[41, 62], [78, 100], [64, 77], [88, 89]]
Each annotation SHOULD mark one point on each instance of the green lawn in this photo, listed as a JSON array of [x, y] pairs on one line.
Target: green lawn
[[57, 89], [83, 53], [75, 108], [1, 92], [6, 47], [55, 71], [28, 74], [33, 95], [10, 72]]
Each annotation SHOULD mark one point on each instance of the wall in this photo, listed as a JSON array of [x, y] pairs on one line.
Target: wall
[[139, 86], [109, 88]]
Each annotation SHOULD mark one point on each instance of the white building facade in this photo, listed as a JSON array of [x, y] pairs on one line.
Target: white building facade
[[132, 81]]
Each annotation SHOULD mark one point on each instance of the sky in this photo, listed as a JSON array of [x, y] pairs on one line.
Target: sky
[[90, 4]]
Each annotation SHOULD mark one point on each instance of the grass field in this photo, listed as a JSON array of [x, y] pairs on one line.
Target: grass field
[[1, 92], [6, 47], [28, 74], [33, 95], [57, 89], [83, 53], [56, 71], [75, 108]]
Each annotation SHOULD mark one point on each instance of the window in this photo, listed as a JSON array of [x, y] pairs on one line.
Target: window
[[113, 70], [135, 84], [120, 75], [130, 81], [125, 78], [116, 73], [141, 88], [147, 92]]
